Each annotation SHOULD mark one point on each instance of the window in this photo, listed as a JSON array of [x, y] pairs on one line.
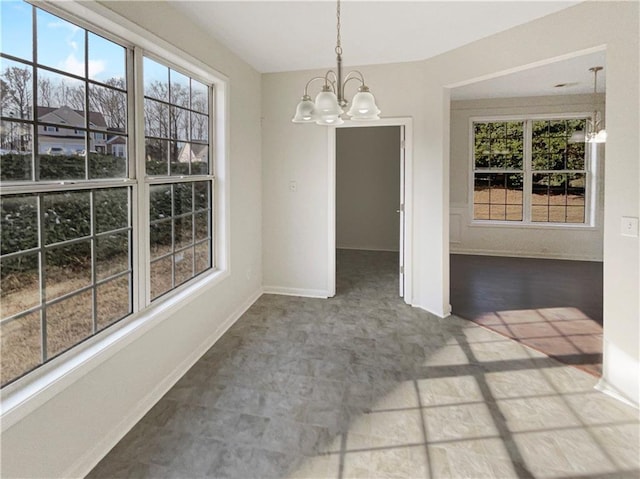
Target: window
[[66, 251], [177, 164], [529, 171]]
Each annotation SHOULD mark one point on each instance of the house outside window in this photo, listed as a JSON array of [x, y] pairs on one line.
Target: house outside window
[[69, 269], [528, 171]]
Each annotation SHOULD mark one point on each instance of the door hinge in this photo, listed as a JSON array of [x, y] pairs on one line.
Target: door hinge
[[402, 208], [402, 143], [401, 269]]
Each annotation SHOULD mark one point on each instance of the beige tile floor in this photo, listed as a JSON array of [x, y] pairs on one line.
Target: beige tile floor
[[364, 386]]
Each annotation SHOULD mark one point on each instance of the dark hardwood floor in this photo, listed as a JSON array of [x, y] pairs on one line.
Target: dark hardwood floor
[[554, 306]]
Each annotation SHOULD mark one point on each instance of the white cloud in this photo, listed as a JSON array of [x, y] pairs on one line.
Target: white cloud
[[72, 65]]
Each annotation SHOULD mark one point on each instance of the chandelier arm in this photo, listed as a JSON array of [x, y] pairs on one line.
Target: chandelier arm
[[351, 77], [306, 87]]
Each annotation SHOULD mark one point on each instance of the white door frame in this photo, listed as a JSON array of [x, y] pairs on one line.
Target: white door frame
[[408, 200]]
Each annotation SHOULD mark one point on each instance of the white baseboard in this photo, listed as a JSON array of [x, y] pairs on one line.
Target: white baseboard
[[523, 254], [285, 291], [88, 461], [366, 248], [606, 388]]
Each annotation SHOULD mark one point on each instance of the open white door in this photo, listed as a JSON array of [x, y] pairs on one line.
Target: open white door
[[401, 211]]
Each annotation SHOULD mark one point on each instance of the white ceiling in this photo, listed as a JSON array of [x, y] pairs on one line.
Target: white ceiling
[[573, 73], [275, 36]]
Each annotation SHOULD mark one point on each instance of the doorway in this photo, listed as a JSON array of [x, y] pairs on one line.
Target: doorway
[[371, 168]]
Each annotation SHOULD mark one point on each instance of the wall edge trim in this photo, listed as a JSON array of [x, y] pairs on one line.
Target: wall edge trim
[[286, 291], [523, 254]]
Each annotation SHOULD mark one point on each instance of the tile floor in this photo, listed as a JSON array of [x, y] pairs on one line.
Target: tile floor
[[364, 386]]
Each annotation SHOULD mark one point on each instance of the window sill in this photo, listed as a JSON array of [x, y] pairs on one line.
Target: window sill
[[536, 226], [28, 393]]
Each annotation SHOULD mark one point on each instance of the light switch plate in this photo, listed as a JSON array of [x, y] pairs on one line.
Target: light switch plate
[[629, 226]]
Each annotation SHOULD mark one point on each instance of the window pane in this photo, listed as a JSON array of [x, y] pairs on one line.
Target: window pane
[[19, 223], [184, 265], [539, 213], [202, 257], [202, 225], [156, 119], [156, 80], [69, 322], [161, 276], [17, 101], [113, 300], [20, 280], [199, 159], [156, 157], [199, 128], [180, 158], [106, 61], [199, 97], [16, 29], [61, 100], [201, 195], [67, 269], [183, 231], [112, 254], [66, 216], [20, 340], [16, 146], [161, 239], [514, 213], [160, 202], [61, 153], [183, 198], [60, 44], [110, 161], [179, 123], [108, 108], [179, 94], [112, 209]]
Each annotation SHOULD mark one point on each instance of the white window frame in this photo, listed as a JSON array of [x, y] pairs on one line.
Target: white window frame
[[590, 171], [40, 385]]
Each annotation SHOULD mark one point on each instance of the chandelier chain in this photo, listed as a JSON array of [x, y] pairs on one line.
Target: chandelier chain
[[338, 39]]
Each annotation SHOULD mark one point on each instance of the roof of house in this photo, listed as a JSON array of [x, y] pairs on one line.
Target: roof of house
[[66, 116]]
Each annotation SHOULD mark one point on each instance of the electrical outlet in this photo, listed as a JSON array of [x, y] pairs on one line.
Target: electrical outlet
[[629, 226], [293, 186]]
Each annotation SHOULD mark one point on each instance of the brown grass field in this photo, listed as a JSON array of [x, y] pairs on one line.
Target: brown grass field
[[506, 204], [70, 321]]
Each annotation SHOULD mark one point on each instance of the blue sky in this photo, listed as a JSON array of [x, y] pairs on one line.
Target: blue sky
[[61, 44]]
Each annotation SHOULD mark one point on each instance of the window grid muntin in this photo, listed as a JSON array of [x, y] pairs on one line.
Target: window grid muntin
[[87, 128], [43, 268], [528, 171], [174, 249]]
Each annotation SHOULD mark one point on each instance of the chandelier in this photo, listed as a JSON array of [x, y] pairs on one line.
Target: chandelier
[[329, 103], [594, 132]]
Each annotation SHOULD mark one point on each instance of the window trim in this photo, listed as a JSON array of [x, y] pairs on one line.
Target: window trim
[[29, 392], [590, 171]]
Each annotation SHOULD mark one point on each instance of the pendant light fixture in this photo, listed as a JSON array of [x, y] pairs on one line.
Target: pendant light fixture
[[330, 102], [595, 132]]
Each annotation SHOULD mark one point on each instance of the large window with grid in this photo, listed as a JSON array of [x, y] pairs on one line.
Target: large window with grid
[[71, 174], [530, 171]]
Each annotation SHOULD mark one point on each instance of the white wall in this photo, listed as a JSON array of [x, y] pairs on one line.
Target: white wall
[[295, 241], [368, 188], [68, 434], [511, 240]]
